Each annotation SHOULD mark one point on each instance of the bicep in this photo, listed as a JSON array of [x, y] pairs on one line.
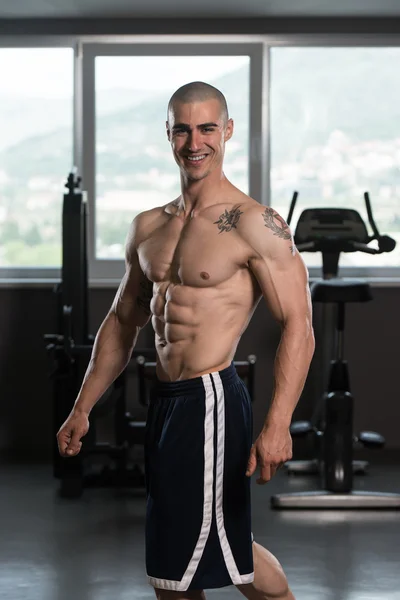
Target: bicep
[[284, 285], [279, 268]]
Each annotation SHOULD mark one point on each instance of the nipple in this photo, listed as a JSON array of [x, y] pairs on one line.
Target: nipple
[[204, 275]]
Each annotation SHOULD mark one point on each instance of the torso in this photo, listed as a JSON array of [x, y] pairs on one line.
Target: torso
[[204, 293]]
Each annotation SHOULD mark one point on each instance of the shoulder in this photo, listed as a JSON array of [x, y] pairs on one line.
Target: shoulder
[[144, 222], [263, 229], [271, 251], [265, 217], [141, 227]]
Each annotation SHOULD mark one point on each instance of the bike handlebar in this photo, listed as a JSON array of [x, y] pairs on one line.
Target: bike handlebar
[[365, 248], [317, 246]]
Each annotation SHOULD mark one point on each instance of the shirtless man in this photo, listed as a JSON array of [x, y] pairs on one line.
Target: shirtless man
[[198, 267]]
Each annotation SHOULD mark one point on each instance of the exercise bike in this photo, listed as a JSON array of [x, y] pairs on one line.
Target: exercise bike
[[332, 231]]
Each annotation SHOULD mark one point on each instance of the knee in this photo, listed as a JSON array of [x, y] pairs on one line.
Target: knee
[[270, 580], [281, 588], [278, 589], [281, 592]]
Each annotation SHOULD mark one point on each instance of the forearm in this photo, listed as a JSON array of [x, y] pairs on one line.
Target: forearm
[[292, 362], [111, 353]]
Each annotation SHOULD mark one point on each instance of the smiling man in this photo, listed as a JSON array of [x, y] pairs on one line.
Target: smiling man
[[197, 267], [202, 155]]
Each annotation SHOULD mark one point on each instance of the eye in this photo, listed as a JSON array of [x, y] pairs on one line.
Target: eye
[[208, 129]]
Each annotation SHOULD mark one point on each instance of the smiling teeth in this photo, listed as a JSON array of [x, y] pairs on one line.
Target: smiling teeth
[[196, 157]]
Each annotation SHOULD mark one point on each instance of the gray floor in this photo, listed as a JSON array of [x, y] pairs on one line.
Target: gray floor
[[92, 549]]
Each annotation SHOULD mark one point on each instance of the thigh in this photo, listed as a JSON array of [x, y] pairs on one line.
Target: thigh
[[177, 492]]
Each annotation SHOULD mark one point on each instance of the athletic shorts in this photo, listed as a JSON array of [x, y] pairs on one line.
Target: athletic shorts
[[198, 518]]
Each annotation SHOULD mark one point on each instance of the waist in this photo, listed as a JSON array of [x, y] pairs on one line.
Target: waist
[[187, 386]]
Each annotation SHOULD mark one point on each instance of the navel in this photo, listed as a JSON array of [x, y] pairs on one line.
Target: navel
[[204, 275]]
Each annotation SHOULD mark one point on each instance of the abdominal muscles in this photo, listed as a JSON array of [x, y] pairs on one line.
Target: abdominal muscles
[[197, 329]]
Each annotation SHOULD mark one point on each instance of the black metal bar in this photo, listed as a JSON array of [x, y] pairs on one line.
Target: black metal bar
[[74, 258], [142, 387], [330, 264], [147, 372], [292, 205], [370, 216], [338, 442], [251, 375]]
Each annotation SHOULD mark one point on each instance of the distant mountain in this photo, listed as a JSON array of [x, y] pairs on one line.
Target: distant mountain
[[354, 90], [358, 97], [108, 101], [21, 118], [126, 134]]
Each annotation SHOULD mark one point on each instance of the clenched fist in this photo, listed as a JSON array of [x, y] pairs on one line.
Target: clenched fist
[[71, 432]]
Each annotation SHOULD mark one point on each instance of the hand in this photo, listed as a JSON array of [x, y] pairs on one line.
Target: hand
[[271, 450], [71, 432]]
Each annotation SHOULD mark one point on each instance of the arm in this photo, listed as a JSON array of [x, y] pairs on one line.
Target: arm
[[283, 279], [112, 350], [117, 335]]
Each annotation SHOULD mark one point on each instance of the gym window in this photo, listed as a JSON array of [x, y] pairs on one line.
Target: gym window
[[128, 165], [36, 146], [312, 114], [333, 137]]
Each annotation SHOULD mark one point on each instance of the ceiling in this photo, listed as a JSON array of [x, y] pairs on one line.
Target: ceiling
[[205, 8]]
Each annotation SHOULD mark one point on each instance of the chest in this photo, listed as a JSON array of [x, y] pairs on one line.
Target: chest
[[195, 254]]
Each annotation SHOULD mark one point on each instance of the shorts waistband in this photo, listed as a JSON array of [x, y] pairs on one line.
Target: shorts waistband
[[187, 386]]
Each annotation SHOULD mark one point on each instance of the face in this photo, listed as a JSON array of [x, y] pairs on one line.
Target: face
[[197, 133]]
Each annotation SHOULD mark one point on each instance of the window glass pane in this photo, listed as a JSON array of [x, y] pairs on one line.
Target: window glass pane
[[135, 169], [335, 134], [36, 112]]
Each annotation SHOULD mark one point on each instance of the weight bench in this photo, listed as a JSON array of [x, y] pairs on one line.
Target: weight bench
[[147, 372]]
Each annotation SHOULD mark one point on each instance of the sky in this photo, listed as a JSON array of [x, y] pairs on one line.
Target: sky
[[48, 72]]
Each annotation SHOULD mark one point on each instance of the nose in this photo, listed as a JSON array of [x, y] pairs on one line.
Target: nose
[[194, 141]]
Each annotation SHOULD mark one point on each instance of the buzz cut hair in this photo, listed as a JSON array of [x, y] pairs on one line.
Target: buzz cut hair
[[198, 91]]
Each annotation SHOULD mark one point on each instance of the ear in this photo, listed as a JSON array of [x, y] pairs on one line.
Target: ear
[[168, 131], [228, 130]]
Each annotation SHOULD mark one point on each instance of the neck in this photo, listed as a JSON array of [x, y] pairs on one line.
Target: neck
[[198, 195]]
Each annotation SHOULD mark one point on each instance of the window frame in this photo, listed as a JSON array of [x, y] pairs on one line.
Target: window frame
[[85, 49], [380, 276], [106, 268], [40, 275]]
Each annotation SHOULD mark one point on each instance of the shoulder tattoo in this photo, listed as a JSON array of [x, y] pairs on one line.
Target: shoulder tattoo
[[229, 219], [277, 225]]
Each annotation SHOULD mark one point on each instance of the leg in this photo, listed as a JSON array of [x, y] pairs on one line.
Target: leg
[[168, 595], [270, 581]]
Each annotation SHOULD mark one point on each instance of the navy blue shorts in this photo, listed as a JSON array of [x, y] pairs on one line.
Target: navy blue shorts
[[198, 522]]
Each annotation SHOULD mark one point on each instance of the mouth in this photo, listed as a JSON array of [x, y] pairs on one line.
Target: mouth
[[197, 159]]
